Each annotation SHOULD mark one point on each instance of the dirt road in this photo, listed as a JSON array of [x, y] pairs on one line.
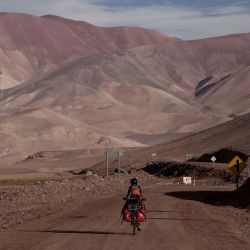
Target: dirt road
[[172, 223]]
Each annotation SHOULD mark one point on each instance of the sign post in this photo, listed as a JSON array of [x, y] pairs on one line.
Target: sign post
[[119, 165], [153, 155], [189, 157], [107, 146], [238, 173], [213, 159], [236, 165], [248, 171], [113, 154], [107, 163]]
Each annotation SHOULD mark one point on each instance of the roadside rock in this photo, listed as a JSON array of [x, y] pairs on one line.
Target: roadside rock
[[19, 204], [122, 171], [89, 173]]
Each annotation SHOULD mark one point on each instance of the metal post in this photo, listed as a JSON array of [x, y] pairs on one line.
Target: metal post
[[107, 163], [248, 170], [238, 173], [119, 164]]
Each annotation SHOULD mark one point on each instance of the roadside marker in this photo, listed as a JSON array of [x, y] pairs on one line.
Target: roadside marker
[[113, 154], [153, 156], [189, 157], [213, 159], [187, 180], [236, 165]]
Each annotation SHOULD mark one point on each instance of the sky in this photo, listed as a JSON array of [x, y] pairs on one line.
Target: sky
[[186, 19]]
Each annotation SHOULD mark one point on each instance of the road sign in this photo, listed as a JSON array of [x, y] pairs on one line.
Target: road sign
[[236, 165], [189, 156], [187, 180], [111, 154], [213, 159]]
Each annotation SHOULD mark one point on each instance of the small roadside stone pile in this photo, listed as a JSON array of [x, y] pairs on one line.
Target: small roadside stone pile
[[19, 204]]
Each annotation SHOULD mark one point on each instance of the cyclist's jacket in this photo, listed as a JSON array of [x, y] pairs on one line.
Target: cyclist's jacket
[[134, 190]]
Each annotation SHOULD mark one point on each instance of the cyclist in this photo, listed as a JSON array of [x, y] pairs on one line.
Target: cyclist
[[134, 191]]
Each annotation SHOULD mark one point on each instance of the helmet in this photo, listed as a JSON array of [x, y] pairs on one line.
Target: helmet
[[133, 181]]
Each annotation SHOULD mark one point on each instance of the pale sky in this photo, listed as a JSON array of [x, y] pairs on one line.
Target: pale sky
[[186, 19]]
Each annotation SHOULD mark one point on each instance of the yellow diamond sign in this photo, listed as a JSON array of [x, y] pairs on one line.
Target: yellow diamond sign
[[236, 165]]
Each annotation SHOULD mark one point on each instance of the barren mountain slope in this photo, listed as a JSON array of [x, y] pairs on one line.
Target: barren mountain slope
[[148, 89], [113, 82], [232, 134], [228, 93], [31, 45], [43, 129], [112, 93]]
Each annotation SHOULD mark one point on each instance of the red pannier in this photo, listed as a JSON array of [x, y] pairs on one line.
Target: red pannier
[[140, 218], [126, 215], [141, 215]]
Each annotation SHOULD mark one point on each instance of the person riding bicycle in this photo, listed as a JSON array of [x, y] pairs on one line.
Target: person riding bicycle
[[134, 191]]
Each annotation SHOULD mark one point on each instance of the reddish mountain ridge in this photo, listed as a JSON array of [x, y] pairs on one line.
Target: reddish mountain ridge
[[119, 86], [31, 45]]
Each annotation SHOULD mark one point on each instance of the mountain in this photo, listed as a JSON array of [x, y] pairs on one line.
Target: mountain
[[30, 45], [234, 134], [121, 92], [69, 84], [34, 130]]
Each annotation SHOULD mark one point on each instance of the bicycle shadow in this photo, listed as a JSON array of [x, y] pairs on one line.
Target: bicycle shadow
[[176, 219], [163, 211], [93, 232]]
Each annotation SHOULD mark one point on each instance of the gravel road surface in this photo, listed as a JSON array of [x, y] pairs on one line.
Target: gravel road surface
[[172, 223]]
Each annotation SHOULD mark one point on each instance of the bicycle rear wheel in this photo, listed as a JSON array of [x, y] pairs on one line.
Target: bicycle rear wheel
[[134, 226]]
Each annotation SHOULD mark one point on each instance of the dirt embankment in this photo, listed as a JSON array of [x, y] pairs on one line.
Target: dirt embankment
[[223, 155], [175, 170]]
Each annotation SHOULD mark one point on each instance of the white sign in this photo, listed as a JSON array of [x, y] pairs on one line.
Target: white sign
[[111, 153], [213, 159], [187, 180], [189, 156]]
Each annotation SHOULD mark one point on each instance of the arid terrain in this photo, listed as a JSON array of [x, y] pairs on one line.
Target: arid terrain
[[71, 91], [73, 213], [68, 85]]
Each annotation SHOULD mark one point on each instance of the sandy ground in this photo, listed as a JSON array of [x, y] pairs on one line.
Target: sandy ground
[[172, 223]]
